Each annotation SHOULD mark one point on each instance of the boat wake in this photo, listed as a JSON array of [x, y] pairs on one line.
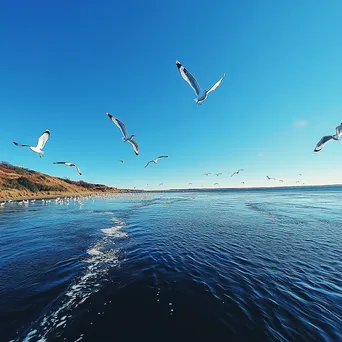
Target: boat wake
[[101, 258]]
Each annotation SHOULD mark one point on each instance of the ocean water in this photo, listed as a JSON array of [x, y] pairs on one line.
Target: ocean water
[[180, 266]]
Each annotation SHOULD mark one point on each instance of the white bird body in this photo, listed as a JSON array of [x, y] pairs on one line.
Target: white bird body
[[155, 161], [37, 150], [191, 80], [327, 138], [125, 136], [40, 145]]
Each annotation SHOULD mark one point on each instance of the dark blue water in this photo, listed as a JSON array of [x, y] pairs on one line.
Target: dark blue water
[[195, 266]]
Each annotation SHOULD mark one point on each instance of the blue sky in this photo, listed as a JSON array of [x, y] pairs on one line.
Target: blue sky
[[64, 64]]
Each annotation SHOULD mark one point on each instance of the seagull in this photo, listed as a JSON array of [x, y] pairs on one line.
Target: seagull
[[121, 161], [161, 184], [125, 135], [327, 138], [155, 160], [216, 183], [236, 172], [242, 182], [280, 180], [300, 174], [269, 178], [190, 183], [218, 174], [40, 145], [208, 173], [297, 182], [70, 164], [201, 94]]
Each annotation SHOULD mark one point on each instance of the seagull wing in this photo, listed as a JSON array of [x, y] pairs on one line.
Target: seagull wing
[[162, 157], [134, 145], [148, 163], [189, 78], [43, 139], [322, 143], [216, 84], [233, 174], [77, 168], [21, 145], [119, 124], [59, 163]]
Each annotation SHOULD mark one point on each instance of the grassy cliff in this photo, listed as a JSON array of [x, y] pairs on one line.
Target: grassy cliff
[[17, 182]]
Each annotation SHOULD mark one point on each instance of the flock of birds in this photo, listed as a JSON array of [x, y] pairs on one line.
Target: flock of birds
[[68, 200], [201, 96], [58, 200]]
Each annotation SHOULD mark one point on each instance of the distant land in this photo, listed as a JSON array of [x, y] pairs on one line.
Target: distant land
[[256, 188], [17, 183]]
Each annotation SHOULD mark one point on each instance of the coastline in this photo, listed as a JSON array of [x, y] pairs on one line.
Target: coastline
[[39, 196]]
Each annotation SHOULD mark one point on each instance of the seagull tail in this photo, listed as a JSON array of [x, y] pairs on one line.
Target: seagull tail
[[196, 100]]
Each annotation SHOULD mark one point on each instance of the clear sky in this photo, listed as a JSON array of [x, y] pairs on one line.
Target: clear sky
[[63, 64]]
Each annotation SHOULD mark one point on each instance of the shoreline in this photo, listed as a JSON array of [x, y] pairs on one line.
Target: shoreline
[[40, 196]]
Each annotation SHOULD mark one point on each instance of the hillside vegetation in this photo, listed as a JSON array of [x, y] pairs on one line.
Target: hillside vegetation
[[17, 182]]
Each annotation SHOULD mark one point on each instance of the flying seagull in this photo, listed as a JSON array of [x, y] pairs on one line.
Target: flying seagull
[[269, 178], [208, 173], [300, 174], [216, 183], [242, 182], [236, 172], [161, 184], [121, 161], [218, 174], [125, 135], [190, 183], [280, 180], [297, 182], [327, 138], [155, 160], [188, 77], [40, 145], [70, 164]]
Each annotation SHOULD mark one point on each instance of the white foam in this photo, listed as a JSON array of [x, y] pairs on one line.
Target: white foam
[[102, 258], [114, 232], [30, 335], [93, 251]]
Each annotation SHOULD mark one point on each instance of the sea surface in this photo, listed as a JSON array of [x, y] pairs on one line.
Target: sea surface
[[260, 265]]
